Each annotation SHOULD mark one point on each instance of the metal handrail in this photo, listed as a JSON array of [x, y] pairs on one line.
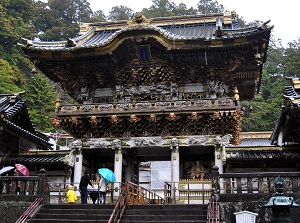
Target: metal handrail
[[29, 210]]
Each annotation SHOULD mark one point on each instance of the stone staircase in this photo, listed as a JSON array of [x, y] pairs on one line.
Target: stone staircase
[[165, 213], [133, 213], [73, 213]]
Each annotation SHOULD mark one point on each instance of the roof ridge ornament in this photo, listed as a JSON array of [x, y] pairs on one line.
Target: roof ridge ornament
[[139, 20]]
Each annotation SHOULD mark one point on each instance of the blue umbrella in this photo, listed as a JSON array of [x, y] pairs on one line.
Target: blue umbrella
[[107, 174]]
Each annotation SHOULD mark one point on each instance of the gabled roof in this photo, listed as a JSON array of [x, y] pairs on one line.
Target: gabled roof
[[14, 119]]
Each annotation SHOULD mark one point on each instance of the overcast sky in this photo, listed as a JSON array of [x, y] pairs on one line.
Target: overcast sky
[[283, 14]]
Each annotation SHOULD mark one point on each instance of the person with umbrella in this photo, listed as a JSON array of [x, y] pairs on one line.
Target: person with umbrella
[[103, 185], [106, 176], [84, 182]]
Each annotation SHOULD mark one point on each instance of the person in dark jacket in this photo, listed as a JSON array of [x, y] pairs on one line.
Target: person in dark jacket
[[84, 182]]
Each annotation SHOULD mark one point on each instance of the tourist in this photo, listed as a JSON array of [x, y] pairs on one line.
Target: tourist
[[71, 195], [103, 189], [84, 182]]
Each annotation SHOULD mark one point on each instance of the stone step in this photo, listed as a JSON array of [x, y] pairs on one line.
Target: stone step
[[165, 213], [73, 213], [162, 217], [78, 206], [66, 221], [167, 221], [194, 207], [72, 216]]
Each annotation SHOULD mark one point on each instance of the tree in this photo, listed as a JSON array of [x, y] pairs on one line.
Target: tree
[[160, 8], [292, 59], [181, 9], [8, 78], [57, 20], [209, 6], [120, 13], [98, 16], [40, 97]]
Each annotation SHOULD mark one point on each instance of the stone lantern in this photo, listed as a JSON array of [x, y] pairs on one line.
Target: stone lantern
[[280, 204]]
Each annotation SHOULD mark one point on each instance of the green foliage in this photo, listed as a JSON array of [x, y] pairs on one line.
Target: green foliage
[[160, 8], [120, 13], [164, 8], [58, 20], [8, 78], [98, 16], [292, 59], [262, 113], [40, 97], [209, 6]]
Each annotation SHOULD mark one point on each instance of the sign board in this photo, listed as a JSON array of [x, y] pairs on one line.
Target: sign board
[[245, 217]]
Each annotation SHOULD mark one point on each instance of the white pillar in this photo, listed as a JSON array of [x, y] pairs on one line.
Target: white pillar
[[175, 159], [77, 168], [218, 158], [118, 165]]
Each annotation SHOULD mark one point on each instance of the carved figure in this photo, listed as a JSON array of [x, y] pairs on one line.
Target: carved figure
[[197, 171], [223, 141], [174, 143], [119, 90], [194, 116], [74, 120], [114, 119], [116, 144], [152, 117], [93, 119], [134, 118]]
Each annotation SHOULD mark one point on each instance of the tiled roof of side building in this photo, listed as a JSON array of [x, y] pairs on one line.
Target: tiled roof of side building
[[11, 106], [254, 139], [41, 157]]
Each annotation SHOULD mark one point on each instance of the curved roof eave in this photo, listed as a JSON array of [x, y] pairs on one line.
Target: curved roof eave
[[105, 39]]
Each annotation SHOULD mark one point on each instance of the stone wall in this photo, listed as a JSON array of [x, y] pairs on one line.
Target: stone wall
[[12, 207]]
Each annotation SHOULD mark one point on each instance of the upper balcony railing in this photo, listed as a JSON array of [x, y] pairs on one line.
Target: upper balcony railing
[[149, 106]]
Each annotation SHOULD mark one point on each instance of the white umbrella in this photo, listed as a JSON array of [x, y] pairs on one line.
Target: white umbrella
[[6, 169]]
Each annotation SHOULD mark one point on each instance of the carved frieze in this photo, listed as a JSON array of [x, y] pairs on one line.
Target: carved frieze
[[77, 144], [145, 142], [198, 140], [98, 143]]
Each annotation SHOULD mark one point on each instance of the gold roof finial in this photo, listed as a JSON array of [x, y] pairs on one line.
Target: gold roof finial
[[139, 20]]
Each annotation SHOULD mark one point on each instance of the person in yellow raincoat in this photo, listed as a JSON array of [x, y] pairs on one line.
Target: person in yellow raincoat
[[71, 195]]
